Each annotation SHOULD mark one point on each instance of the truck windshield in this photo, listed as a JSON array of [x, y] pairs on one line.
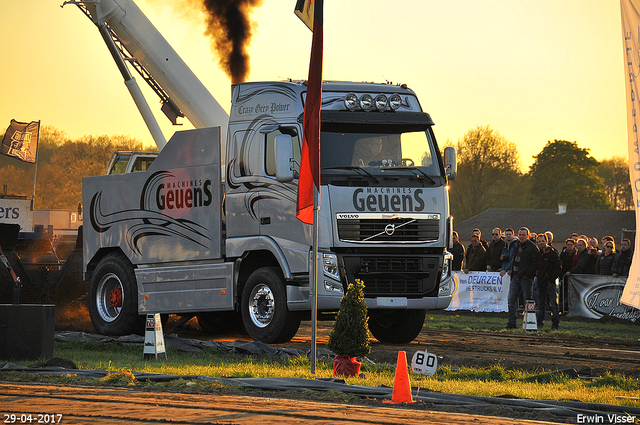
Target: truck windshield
[[378, 151]]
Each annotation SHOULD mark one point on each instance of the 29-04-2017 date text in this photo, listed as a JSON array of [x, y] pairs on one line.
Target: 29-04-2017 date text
[[32, 418]]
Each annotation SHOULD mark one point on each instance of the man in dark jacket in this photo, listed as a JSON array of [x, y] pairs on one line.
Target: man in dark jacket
[[485, 245], [476, 256], [548, 271], [622, 261], [522, 272], [457, 250], [566, 256], [494, 264]]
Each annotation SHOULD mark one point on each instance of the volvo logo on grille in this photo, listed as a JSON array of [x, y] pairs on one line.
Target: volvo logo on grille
[[389, 229]]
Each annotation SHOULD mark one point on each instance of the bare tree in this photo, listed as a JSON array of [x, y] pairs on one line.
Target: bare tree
[[488, 173]]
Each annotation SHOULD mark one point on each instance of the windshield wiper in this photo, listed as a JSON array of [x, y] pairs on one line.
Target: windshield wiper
[[412, 169], [356, 169]]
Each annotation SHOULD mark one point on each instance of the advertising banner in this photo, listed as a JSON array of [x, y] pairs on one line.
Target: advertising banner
[[17, 211], [596, 296], [631, 44], [480, 291]]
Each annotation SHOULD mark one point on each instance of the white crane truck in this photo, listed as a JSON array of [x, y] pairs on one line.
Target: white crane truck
[[210, 228]]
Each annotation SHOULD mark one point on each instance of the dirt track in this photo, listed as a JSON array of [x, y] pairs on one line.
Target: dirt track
[[83, 405], [512, 349], [531, 350]]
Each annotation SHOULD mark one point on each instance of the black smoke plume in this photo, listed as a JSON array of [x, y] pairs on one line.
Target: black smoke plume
[[230, 28]]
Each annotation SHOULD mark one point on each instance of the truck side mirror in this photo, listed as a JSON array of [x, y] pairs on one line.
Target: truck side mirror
[[450, 164], [284, 158]]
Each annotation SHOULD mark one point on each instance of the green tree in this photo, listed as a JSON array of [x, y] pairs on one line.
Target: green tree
[[488, 172], [564, 173], [615, 174], [60, 179], [16, 180], [62, 163]]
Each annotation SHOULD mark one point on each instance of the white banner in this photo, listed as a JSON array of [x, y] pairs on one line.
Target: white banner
[[630, 36], [480, 291], [17, 211]]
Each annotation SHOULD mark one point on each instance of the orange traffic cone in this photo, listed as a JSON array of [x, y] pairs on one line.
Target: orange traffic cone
[[401, 385]]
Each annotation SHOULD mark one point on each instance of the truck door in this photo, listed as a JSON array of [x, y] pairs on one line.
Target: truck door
[[243, 173], [278, 203]]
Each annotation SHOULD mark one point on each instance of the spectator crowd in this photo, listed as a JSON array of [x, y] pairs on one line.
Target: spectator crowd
[[534, 264]]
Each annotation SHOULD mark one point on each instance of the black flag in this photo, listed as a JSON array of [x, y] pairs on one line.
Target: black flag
[[21, 140]]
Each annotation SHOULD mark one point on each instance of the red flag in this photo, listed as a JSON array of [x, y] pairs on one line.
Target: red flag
[[310, 155]]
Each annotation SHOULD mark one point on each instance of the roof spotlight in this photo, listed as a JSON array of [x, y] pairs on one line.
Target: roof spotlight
[[366, 102], [351, 101], [395, 101], [381, 102]]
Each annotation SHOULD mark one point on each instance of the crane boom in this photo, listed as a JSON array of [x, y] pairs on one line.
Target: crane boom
[[142, 45]]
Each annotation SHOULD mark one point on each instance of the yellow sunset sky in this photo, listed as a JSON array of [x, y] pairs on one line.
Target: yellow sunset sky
[[534, 70]]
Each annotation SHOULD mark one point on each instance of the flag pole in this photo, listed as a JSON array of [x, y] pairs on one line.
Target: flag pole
[[311, 13], [35, 169], [314, 302]]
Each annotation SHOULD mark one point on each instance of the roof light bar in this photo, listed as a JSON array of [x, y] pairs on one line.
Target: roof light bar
[[367, 102]]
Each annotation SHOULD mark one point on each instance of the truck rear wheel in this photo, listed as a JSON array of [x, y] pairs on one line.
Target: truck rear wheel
[[396, 326], [264, 308], [113, 297]]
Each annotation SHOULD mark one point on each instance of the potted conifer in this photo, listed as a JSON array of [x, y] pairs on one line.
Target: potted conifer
[[349, 338]]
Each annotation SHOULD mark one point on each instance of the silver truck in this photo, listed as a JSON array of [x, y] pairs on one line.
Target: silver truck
[[210, 227]]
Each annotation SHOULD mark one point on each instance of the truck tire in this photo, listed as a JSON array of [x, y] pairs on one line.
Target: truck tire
[[220, 322], [113, 297], [396, 326], [264, 308]]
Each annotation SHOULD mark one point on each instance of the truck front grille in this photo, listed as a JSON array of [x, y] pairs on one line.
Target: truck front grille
[[393, 275], [389, 230]]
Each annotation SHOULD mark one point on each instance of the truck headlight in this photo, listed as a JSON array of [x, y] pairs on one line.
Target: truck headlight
[[445, 283], [395, 101], [366, 102], [333, 287], [381, 102], [445, 289], [351, 101], [446, 266], [330, 265]]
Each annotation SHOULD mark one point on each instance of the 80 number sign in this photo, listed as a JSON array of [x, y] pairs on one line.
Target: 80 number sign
[[424, 363]]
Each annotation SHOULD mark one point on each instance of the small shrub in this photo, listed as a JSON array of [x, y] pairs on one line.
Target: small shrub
[[350, 334]]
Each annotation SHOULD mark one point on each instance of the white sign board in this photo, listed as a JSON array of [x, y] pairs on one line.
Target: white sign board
[[17, 211], [480, 291], [424, 363]]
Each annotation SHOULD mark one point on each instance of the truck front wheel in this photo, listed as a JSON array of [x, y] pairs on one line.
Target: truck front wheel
[[113, 297], [265, 315], [396, 326]]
